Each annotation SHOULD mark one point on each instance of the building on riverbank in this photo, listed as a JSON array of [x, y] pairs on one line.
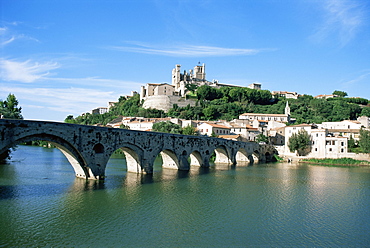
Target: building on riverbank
[[325, 142]]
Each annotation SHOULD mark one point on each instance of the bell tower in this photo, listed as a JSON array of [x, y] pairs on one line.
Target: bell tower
[[176, 76], [287, 111]]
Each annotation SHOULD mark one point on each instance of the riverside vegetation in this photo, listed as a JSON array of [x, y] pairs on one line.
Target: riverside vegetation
[[9, 109], [336, 161]]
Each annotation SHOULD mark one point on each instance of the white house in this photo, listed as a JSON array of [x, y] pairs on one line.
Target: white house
[[99, 111], [268, 117], [207, 128], [323, 143], [246, 132], [286, 94], [346, 124], [365, 121]]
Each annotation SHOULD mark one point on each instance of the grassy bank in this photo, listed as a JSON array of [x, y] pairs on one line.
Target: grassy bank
[[337, 161]]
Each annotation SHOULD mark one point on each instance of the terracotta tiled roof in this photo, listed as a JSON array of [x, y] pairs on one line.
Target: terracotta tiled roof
[[218, 126], [257, 114], [301, 125], [229, 136]]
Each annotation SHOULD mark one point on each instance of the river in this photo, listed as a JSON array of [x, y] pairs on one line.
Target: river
[[42, 204]]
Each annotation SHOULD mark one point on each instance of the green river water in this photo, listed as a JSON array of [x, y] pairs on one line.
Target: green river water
[[42, 204]]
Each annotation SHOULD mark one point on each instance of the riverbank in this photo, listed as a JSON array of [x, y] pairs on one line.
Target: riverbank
[[336, 162]]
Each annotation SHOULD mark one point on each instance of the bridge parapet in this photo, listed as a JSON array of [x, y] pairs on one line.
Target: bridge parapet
[[88, 148]]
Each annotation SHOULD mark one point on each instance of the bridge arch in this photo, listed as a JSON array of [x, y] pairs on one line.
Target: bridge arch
[[69, 151], [170, 160], [196, 159], [242, 157], [222, 155], [254, 157], [133, 155], [270, 157]]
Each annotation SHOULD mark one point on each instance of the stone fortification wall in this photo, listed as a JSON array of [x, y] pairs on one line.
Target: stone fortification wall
[[166, 102]]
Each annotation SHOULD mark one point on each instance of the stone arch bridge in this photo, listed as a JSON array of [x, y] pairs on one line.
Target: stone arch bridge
[[88, 148]]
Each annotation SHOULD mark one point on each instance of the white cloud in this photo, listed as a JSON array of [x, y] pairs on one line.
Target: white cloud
[[3, 30], [6, 42], [352, 82], [187, 50], [342, 20], [25, 72], [67, 100]]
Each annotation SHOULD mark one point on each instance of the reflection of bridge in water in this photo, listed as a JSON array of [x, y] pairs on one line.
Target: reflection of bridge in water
[[88, 148]]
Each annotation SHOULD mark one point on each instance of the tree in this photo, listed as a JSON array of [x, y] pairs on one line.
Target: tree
[[189, 130], [70, 119], [300, 142], [262, 138], [351, 143], [211, 112], [191, 87], [364, 141], [206, 92], [340, 93], [166, 127], [9, 108], [123, 126], [238, 94], [365, 111]]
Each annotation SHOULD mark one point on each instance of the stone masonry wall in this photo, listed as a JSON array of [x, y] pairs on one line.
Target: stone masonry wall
[[166, 102]]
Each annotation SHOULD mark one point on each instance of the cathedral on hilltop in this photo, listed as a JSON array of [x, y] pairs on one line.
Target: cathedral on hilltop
[[196, 76], [164, 96], [179, 82]]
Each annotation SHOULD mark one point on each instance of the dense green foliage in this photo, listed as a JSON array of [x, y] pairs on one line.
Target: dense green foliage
[[9, 108], [340, 93], [364, 141], [337, 161], [124, 107], [300, 142], [228, 103], [166, 127], [169, 127], [262, 138]]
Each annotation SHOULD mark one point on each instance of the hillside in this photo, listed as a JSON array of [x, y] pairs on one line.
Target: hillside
[[229, 102]]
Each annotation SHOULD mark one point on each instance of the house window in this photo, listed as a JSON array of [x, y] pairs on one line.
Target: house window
[[330, 149], [315, 149], [317, 135], [342, 150], [206, 130], [342, 143]]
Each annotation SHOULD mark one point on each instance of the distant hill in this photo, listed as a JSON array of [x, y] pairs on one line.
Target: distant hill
[[228, 103]]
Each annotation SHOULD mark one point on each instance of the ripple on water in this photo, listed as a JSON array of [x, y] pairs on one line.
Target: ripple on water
[[261, 205]]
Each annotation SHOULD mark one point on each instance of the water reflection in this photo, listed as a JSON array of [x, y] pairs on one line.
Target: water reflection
[[264, 205]]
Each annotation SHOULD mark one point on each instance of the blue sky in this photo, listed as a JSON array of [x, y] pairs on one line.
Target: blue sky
[[66, 57]]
